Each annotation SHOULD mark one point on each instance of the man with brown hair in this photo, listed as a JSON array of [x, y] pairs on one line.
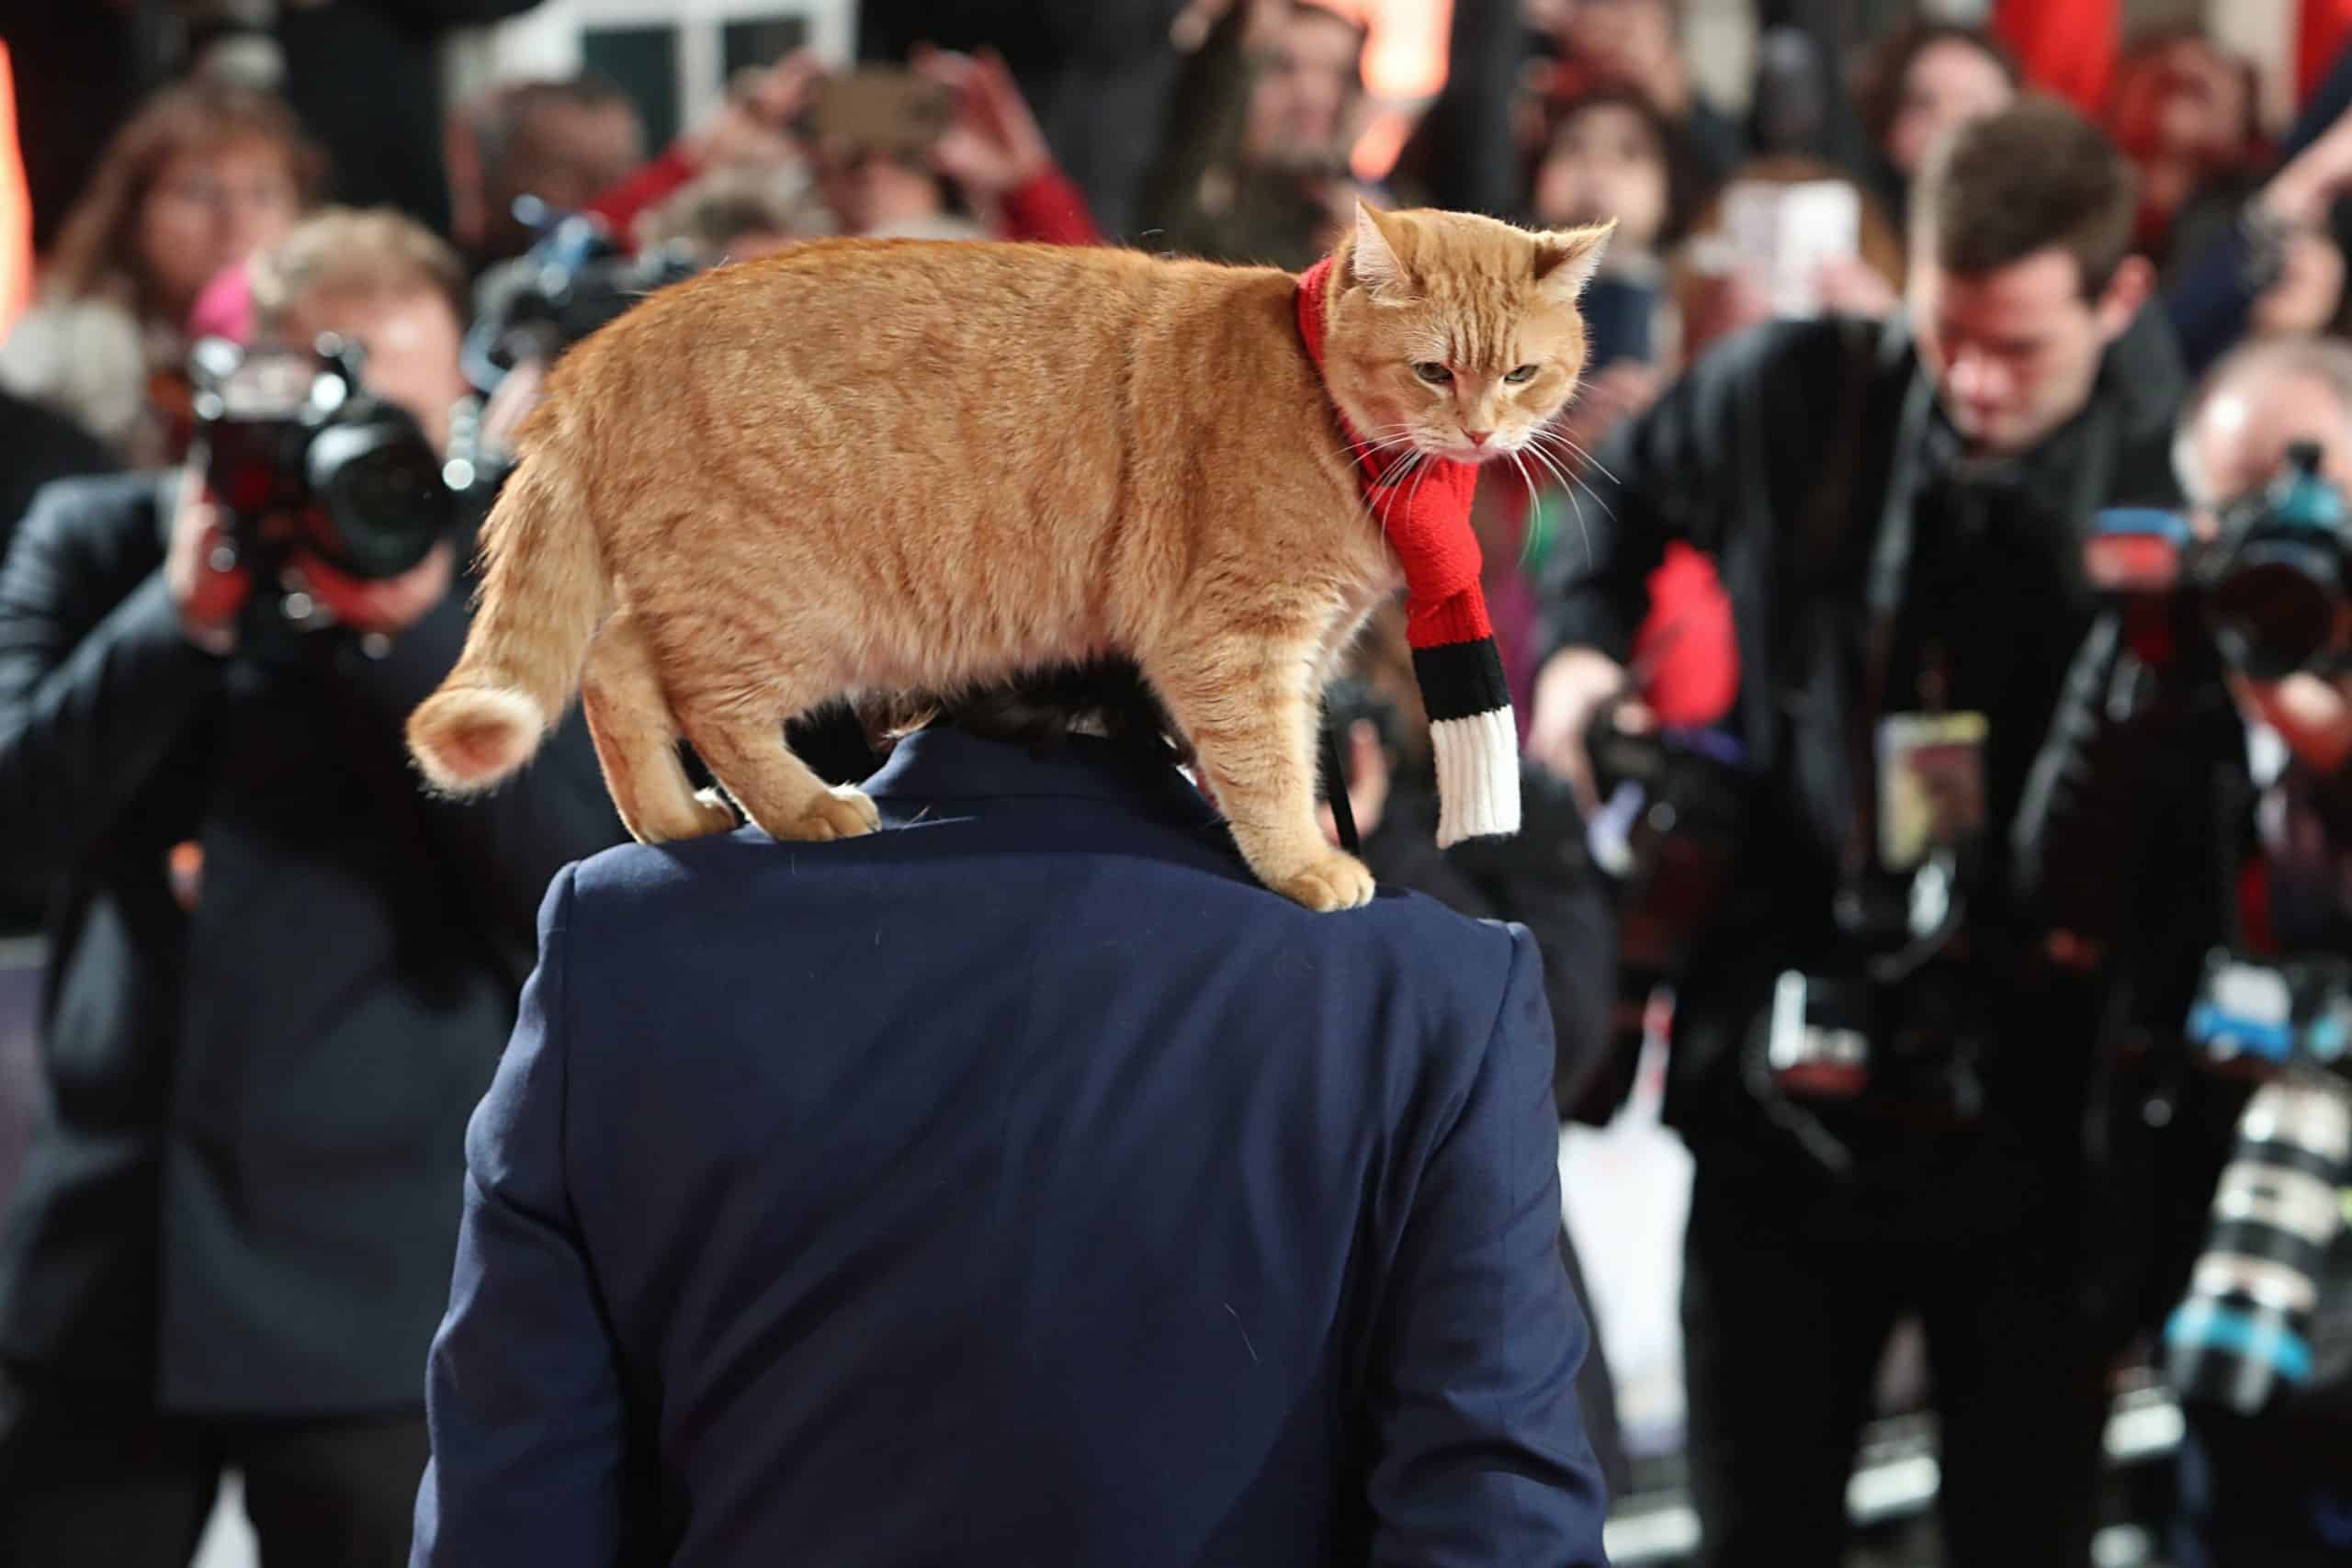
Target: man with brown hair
[[1882, 1065], [280, 978]]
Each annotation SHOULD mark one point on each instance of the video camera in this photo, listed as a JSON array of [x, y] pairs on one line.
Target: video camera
[[2243, 1331], [2272, 583], [574, 279], [303, 460]]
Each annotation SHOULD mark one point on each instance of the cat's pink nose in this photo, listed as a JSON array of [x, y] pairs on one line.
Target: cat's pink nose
[[1477, 437]]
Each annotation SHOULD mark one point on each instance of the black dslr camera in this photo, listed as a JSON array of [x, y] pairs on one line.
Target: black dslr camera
[[2272, 584], [575, 279], [303, 460]]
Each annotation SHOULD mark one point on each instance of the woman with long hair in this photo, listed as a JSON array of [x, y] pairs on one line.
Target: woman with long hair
[[202, 176]]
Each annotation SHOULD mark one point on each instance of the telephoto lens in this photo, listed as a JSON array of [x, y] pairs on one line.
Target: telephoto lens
[[2243, 1330]]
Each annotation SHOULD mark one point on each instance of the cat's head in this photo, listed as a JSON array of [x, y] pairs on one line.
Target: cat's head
[[1455, 334]]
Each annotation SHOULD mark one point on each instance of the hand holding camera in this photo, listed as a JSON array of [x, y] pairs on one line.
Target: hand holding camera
[[327, 499], [211, 588], [2311, 713], [207, 587], [1573, 688], [995, 145], [763, 109]]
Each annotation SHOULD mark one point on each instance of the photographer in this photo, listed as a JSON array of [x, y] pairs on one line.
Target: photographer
[[279, 976], [2199, 769], [1881, 1079]]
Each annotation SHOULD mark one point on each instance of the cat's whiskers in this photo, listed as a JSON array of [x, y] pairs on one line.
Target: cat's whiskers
[[1575, 457], [1571, 486], [1556, 433], [1534, 493], [1420, 472], [1372, 449]]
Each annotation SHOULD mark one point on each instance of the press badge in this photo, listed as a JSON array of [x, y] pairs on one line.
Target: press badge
[[1931, 784]]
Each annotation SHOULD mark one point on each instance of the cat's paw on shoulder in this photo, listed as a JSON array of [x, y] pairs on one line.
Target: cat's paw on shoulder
[[1335, 880], [842, 812]]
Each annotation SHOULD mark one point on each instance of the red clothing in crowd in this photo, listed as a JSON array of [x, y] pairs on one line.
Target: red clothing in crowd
[[1687, 647], [2066, 50], [2071, 49], [1686, 651]]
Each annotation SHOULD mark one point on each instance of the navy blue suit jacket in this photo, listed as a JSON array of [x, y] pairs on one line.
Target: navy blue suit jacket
[[1022, 1184]]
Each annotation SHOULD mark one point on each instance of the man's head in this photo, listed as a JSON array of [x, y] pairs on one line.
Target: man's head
[[1107, 698], [2259, 400], [736, 214], [383, 281], [2021, 271], [2180, 95], [566, 142], [1308, 84]]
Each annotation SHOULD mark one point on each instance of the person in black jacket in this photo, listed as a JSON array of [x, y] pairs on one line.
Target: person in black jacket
[[280, 977], [35, 447], [1896, 511], [2184, 805]]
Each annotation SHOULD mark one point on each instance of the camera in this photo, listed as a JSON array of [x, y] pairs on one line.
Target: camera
[[574, 280], [1674, 808], [2259, 1017], [301, 457], [2271, 585], [2244, 1329]]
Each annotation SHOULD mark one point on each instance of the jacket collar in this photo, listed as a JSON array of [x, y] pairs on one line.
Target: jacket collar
[[947, 765]]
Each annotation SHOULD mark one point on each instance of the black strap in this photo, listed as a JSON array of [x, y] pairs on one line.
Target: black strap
[[1335, 775]]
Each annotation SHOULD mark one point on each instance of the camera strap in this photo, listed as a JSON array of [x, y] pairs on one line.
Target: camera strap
[[1893, 546], [1888, 565], [1335, 773]]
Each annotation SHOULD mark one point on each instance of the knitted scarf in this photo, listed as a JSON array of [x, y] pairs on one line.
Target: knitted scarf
[[1424, 510]]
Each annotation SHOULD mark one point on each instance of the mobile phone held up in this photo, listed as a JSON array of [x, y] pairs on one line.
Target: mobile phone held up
[[881, 109]]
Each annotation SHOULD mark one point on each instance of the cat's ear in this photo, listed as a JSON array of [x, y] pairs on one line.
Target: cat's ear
[[1566, 258], [1374, 261]]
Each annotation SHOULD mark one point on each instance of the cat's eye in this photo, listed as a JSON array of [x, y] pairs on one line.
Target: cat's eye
[[1430, 370], [1525, 373]]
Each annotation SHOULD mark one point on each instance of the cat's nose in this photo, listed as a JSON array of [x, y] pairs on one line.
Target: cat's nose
[[1477, 437]]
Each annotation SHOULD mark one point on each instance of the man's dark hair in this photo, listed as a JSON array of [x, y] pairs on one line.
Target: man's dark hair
[[1043, 708], [2033, 177]]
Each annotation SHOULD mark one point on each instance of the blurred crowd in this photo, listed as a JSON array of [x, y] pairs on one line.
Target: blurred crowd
[[249, 176]]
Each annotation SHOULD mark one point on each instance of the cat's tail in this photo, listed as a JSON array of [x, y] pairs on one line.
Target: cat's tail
[[543, 592]]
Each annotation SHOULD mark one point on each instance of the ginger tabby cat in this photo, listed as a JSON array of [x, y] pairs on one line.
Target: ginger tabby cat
[[918, 467]]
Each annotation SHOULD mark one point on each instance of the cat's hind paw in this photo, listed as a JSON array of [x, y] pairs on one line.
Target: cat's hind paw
[[1335, 881], [713, 812]]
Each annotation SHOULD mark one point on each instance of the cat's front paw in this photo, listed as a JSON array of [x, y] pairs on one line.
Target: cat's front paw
[[1335, 880], [842, 812]]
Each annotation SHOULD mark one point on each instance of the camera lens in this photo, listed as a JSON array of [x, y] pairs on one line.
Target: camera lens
[[2243, 1330], [378, 486], [2273, 616]]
